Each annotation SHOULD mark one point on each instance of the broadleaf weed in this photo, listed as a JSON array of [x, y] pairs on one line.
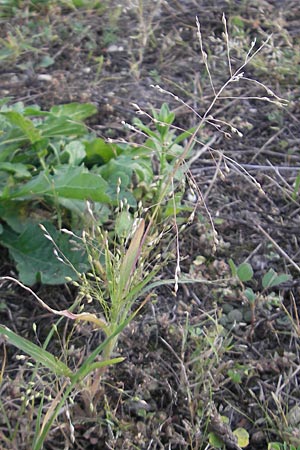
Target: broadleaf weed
[[121, 261]]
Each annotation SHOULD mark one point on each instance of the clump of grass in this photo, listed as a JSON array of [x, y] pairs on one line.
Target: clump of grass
[[122, 271]]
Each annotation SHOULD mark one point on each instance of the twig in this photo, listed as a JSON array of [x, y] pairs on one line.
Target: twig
[[202, 149], [249, 167], [283, 253]]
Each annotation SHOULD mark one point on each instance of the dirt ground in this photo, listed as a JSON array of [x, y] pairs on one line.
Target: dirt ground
[[181, 372]]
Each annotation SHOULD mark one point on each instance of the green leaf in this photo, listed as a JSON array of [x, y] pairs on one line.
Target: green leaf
[[274, 446], [238, 22], [245, 272], [235, 376], [75, 111], [35, 258], [46, 61], [185, 135], [215, 441], [282, 278], [78, 183], [268, 278], [139, 124], [123, 224], [4, 101], [233, 268], [18, 214], [75, 153], [99, 365], [38, 444], [250, 295], [19, 170], [68, 182], [61, 127], [35, 110], [165, 115], [271, 279], [37, 353], [242, 437], [25, 124], [118, 174], [296, 187], [98, 151]]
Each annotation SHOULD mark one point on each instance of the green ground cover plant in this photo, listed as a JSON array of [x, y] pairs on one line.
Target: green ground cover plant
[[50, 166]]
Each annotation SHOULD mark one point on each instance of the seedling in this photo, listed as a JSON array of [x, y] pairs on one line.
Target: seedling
[[244, 273]]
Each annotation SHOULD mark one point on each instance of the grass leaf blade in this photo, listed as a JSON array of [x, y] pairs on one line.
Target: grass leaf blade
[[37, 353]]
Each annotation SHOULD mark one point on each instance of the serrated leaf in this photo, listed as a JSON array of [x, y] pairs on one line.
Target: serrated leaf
[[245, 272], [242, 437]]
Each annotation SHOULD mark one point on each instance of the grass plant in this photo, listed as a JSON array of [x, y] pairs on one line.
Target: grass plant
[[122, 258]]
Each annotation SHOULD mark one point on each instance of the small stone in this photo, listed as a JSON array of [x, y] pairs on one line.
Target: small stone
[[113, 48], [44, 77]]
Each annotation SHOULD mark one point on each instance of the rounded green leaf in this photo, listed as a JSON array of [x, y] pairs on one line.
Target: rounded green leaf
[[215, 441], [274, 446], [242, 437], [245, 272]]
